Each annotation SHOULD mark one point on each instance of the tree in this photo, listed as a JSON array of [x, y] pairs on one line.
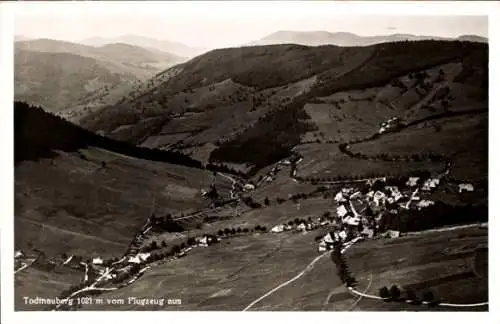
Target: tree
[[395, 293], [384, 293], [428, 296], [153, 245], [176, 249], [266, 201], [412, 296], [163, 244]]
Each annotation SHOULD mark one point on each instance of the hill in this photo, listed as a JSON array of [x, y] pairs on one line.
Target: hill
[[149, 43], [91, 69], [316, 38], [285, 95]]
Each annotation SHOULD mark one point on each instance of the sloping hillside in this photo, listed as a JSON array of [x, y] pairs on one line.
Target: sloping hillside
[[288, 94], [59, 75], [86, 189]]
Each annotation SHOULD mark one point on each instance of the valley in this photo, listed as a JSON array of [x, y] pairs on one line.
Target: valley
[[233, 186]]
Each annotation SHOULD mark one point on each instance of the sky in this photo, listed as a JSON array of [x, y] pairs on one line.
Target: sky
[[232, 23]]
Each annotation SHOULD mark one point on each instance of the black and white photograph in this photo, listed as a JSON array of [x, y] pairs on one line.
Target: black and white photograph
[[247, 157]]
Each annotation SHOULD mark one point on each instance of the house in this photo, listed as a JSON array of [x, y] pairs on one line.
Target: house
[[425, 203], [339, 197], [430, 184], [367, 232], [278, 229], [341, 211], [301, 227], [203, 241], [268, 179], [342, 235], [379, 198], [248, 187], [412, 181], [465, 187], [352, 221], [18, 254], [139, 258], [287, 162], [322, 246], [392, 234], [347, 191], [328, 239], [97, 260]]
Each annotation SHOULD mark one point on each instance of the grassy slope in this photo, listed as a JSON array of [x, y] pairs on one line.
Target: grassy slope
[[55, 80], [232, 274], [58, 74]]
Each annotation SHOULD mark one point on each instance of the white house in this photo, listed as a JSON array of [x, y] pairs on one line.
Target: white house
[[328, 239], [412, 181], [18, 254], [425, 203], [353, 221], [379, 198], [301, 227], [430, 184], [278, 229], [249, 187], [465, 187], [97, 260], [341, 211], [339, 197], [392, 233], [203, 241]]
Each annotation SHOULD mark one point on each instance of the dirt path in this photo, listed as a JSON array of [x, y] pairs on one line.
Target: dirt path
[[308, 268]]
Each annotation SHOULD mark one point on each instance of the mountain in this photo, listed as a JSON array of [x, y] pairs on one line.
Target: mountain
[[315, 38], [473, 38], [253, 114], [197, 167], [58, 74], [176, 48]]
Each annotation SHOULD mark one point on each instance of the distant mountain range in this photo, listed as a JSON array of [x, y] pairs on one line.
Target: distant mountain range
[[148, 43], [315, 38], [57, 74]]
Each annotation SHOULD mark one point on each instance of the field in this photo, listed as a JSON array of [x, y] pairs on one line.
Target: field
[[99, 209], [463, 138], [236, 272], [323, 161]]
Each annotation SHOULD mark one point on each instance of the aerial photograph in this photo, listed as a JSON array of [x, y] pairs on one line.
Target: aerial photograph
[[174, 158]]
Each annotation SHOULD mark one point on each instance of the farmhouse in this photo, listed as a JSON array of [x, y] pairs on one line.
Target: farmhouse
[[278, 229], [424, 203], [301, 227], [465, 187], [379, 198], [412, 181], [430, 184], [341, 211], [139, 258], [339, 197], [97, 260], [248, 187]]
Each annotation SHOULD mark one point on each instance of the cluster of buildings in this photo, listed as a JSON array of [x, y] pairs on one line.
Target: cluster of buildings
[[390, 124]]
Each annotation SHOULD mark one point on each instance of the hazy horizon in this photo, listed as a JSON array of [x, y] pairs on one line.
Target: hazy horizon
[[234, 24]]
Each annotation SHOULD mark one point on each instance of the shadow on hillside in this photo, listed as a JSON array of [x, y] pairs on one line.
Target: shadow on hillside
[[37, 134]]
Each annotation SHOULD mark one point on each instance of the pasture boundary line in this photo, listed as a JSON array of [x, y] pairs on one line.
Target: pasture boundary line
[[351, 289], [308, 267]]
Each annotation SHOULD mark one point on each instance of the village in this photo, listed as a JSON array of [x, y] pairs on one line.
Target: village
[[361, 212]]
